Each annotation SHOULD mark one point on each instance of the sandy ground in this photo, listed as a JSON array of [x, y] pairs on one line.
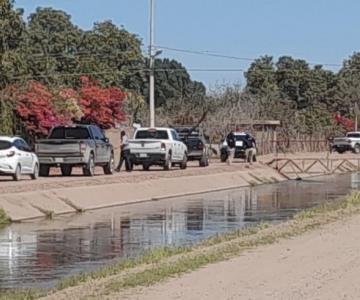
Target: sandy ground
[[322, 264]]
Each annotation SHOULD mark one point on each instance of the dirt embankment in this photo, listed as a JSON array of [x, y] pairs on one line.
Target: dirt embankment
[[58, 195], [323, 264]]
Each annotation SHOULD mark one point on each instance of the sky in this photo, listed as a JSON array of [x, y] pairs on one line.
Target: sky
[[320, 31]]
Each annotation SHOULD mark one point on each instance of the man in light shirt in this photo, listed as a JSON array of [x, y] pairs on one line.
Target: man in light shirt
[[125, 153]]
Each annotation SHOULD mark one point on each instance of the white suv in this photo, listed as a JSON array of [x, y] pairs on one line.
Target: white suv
[[16, 158]]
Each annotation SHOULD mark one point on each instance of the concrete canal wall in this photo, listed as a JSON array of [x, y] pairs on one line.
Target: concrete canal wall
[[50, 202]]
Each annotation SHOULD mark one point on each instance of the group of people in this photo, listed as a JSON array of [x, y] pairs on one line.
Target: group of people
[[248, 146]]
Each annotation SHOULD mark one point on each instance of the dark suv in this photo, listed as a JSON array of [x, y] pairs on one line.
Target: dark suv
[[196, 143]]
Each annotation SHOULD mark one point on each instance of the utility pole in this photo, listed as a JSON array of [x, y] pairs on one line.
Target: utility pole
[[152, 58]]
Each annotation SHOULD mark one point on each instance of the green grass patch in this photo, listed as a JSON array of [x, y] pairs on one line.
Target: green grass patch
[[150, 257], [20, 295], [4, 219]]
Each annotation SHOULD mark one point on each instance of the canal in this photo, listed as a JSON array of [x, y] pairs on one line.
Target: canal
[[39, 254]]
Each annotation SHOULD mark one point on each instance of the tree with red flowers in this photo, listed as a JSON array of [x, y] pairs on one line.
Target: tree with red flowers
[[101, 106], [36, 110]]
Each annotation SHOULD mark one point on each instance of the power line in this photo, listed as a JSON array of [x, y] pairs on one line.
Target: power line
[[213, 54]]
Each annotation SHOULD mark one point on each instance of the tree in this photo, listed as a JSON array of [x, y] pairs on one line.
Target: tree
[[12, 30], [51, 46], [113, 55], [261, 76], [101, 106], [173, 82], [35, 108]]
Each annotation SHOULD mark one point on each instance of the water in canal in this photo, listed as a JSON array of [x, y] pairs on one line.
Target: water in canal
[[38, 254]]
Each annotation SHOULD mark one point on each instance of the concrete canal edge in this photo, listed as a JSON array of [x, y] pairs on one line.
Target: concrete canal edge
[[48, 203]]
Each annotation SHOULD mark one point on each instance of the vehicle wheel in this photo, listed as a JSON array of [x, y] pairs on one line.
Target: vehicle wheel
[[223, 157], [17, 174], [109, 167], [183, 164], [44, 171], [146, 167], [66, 170], [35, 174], [254, 158], [89, 169], [357, 149], [341, 151], [168, 164]]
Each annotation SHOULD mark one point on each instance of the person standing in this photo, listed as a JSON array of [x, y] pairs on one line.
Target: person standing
[[125, 153], [250, 150], [230, 140]]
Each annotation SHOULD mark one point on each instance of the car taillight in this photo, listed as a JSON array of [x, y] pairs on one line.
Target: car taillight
[[10, 154], [163, 146], [200, 146], [82, 148]]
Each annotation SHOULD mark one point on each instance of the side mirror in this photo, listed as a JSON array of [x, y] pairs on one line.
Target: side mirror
[[106, 140]]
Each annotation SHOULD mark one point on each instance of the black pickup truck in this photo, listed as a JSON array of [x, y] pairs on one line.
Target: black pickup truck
[[79, 145]]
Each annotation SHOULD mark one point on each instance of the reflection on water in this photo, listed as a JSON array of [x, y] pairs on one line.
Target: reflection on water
[[39, 254]]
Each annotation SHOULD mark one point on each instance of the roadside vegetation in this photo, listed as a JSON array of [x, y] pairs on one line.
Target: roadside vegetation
[[160, 264], [4, 219]]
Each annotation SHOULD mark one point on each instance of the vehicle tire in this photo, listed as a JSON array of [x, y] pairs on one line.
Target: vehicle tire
[[183, 164], [204, 161], [146, 167], [254, 158], [223, 157], [341, 151], [17, 174], [168, 164], [357, 149], [89, 169], [44, 171], [35, 174], [66, 170], [109, 167]]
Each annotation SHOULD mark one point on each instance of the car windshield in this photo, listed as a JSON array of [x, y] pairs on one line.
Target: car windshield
[[353, 135], [76, 133], [192, 141], [152, 134], [4, 145]]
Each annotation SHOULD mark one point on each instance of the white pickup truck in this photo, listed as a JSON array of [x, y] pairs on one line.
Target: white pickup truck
[[351, 142], [157, 146]]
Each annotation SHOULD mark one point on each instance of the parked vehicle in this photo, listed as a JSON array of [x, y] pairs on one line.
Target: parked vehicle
[[197, 145], [78, 145], [241, 144], [351, 142], [17, 158], [158, 146]]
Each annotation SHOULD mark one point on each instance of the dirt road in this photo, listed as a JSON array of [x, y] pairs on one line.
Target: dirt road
[[7, 185], [323, 264]]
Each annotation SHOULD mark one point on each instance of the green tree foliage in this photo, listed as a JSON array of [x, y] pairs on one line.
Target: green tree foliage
[[173, 82], [51, 46], [12, 30]]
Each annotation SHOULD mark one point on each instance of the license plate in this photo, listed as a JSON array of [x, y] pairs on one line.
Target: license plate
[[59, 160], [143, 155], [239, 143]]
